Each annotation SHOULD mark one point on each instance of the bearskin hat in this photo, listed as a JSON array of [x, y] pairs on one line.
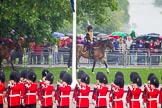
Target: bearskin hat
[[89, 27], [119, 81], [150, 76], [154, 81], [137, 80], [67, 78], [85, 79], [80, 73], [133, 74], [50, 77], [62, 73], [15, 76], [44, 73], [32, 76], [23, 74], [2, 76], [119, 74], [98, 75], [103, 79]]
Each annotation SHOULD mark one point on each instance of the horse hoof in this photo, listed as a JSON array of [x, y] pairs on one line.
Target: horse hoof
[[108, 72]]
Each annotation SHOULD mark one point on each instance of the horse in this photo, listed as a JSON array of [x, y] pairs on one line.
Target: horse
[[98, 53], [6, 49]]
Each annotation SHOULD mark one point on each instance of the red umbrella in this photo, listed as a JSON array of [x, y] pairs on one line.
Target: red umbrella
[[115, 37]]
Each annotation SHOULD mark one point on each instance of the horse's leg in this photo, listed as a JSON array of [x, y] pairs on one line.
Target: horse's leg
[[94, 63], [107, 66]]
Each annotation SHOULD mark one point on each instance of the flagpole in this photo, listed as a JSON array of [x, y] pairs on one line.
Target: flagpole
[[74, 82]]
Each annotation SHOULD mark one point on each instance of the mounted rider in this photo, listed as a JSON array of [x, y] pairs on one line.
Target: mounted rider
[[89, 40]]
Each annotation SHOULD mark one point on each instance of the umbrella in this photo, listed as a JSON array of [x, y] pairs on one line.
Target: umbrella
[[58, 35], [121, 34], [102, 35]]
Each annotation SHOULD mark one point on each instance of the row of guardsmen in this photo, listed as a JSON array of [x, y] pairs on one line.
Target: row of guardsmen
[[23, 91]]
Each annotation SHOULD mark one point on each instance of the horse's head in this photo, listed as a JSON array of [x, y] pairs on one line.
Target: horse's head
[[110, 44]]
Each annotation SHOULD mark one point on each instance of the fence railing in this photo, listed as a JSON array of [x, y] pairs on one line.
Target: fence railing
[[116, 58]]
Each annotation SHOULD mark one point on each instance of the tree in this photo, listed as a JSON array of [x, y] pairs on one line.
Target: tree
[[39, 18]]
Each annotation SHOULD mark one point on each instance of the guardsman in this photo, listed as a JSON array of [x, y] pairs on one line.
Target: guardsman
[[116, 97], [23, 80], [95, 87], [13, 91], [47, 91], [152, 93], [2, 87], [129, 94], [101, 92], [111, 94], [30, 90], [65, 89], [160, 97], [76, 89], [146, 86], [134, 92], [57, 91], [41, 82], [89, 39], [84, 90]]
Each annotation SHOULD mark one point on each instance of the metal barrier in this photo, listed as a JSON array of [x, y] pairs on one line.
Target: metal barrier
[[115, 58]]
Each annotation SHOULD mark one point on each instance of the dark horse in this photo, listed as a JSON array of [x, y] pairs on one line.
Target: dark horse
[[6, 50], [98, 53]]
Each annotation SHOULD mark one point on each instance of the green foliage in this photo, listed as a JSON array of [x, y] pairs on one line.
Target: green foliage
[[39, 18]]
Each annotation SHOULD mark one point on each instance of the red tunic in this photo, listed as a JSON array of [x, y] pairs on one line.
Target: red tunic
[[22, 92], [65, 95], [83, 100], [135, 95], [13, 95], [160, 96], [100, 96], [40, 90], [117, 101], [31, 92], [47, 95], [152, 98], [2, 87]]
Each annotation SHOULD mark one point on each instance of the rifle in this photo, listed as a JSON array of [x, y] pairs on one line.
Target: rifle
[[58, 93], [96, 93], [112, 92], [129, 96], [77, 91]]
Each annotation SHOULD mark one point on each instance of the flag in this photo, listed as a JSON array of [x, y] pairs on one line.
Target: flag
[[72, 5]]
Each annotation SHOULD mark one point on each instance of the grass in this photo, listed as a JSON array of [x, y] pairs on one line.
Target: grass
[[143, 72]]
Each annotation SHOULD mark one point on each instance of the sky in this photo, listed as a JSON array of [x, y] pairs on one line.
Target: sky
[[145, 17]]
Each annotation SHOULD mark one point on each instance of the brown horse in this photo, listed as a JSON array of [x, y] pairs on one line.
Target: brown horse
[[98, 53], [6, 50]]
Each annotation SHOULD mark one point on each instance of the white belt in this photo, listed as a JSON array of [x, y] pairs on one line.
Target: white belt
[[14, 95], [135, 99], [83, 97], [64, 96], [1, 94], [30, 93], [47, 96], [117, 99], [102, 97], [151, 99]]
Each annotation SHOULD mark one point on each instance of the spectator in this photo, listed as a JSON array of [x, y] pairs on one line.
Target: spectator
[[32, 57], [151, 46], [129, 42], [66, 45], [38, 53], [140, 52], [46, 50], [55, 54], [133, 50]]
